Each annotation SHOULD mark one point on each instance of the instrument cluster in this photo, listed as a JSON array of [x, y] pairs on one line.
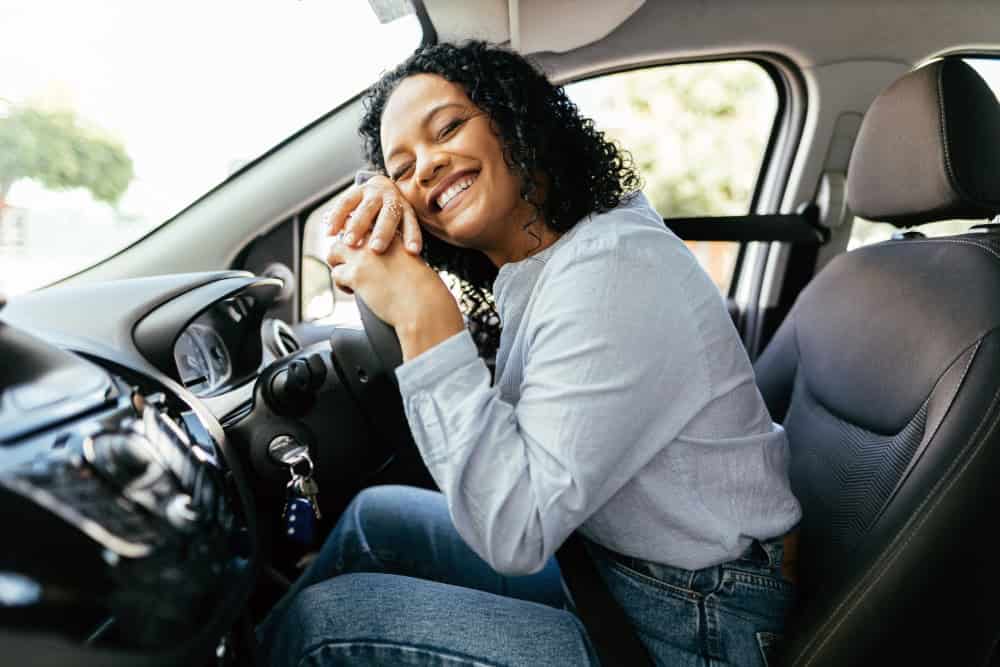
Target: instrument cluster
[[221, 348], [202, 359]]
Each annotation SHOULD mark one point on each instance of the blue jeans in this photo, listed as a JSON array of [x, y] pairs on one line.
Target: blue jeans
[[395, 584]]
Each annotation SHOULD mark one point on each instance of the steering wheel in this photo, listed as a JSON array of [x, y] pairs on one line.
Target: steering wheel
[[366, 363], [383, 339]]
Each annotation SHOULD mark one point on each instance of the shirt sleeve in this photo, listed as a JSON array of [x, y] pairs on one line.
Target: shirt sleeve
[[611, 376]]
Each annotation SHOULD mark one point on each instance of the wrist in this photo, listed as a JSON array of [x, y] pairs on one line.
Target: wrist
[[434, 320]]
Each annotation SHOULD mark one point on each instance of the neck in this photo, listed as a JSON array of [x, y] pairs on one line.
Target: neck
[[526, 237], [529, 242]]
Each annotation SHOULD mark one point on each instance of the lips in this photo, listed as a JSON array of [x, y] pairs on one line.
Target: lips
[[451, 188]]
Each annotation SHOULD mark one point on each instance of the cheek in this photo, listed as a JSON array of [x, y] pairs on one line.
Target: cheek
[[505, 186]]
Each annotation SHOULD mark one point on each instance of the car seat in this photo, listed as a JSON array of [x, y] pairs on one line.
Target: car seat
[[886, 376]]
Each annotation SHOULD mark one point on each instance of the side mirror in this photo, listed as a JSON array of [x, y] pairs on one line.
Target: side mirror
[[318, 294]]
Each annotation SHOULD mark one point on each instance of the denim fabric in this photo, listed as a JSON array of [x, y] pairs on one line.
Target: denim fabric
[[729, 614], [395, 584]]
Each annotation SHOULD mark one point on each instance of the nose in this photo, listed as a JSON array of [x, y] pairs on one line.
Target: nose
[[430, 165]]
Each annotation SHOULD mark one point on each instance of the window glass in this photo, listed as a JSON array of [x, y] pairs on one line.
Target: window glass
[[697, 132], [116, 115], [864, 232]]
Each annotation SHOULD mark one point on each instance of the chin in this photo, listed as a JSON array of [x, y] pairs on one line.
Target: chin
[[465, 232]]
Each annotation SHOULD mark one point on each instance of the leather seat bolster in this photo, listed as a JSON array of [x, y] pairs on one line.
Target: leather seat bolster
[[940, 521], [776, 367]]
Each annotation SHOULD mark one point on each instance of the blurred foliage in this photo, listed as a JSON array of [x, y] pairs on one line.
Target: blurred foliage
[[53, 148], [696, 131]]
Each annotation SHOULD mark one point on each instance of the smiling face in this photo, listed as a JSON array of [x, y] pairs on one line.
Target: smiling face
[[444, 156]]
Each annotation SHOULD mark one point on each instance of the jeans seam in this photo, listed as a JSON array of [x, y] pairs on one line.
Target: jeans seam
[[712, 637], [759, 580], [685, 593], [400, 647]]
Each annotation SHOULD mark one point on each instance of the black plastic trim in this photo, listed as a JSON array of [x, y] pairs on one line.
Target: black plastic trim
[[784, 227], [155, 334], [430, 36]]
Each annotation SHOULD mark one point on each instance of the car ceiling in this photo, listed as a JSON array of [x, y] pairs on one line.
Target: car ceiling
[[846, 51], [808, 32]]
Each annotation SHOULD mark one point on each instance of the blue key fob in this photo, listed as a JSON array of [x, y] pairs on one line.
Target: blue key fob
[[300, 521]]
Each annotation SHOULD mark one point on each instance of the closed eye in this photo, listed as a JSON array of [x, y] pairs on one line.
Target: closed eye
[[450, 128], [402, 171]]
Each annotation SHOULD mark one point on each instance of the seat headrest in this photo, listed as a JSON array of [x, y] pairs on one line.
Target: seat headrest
[[928, 149]]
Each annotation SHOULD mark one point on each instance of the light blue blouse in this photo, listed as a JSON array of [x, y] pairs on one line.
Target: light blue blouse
[[625, 406]]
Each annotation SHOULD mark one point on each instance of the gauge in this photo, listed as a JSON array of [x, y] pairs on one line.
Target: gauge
[[202, 359], [191, 362]]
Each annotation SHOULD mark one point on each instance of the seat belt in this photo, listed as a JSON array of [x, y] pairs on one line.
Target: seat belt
[[612, 635]]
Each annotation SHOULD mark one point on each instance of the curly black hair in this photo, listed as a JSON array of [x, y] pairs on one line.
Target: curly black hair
[[542, 132]]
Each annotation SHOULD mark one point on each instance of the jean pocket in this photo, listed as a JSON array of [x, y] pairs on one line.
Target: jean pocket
[[768, 643]]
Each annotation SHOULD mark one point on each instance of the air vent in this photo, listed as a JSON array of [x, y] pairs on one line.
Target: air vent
[[279, 339], [288, 342]]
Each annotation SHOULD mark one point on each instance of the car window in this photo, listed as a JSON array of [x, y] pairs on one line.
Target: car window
[[865, 232], [698, 133], [116, 115]]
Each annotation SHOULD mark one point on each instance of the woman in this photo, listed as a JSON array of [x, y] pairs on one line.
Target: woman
[[624, 405]]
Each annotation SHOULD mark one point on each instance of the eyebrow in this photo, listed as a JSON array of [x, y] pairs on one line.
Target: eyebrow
[[426, 119]]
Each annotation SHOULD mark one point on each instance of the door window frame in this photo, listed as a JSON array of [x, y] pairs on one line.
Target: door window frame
[[775, 167]]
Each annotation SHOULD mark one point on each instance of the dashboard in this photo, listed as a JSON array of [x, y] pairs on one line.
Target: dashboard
[[137, 478], [129, 517]]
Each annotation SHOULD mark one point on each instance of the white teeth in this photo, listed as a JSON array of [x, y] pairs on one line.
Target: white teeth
[[453, 190]]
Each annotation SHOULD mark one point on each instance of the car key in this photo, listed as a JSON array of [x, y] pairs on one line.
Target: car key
[[304, 483], [299, 516], [309, 489]]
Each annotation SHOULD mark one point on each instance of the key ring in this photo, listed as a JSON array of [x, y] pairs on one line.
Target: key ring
[[309, 467]]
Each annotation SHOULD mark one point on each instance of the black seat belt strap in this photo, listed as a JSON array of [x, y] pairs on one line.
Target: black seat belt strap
[[613, 636]]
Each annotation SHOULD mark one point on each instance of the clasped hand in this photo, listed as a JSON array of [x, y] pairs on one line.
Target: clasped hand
[[398, 286]]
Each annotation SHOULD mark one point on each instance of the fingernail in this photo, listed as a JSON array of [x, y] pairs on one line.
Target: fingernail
[[412, 245], [376, 244], [349, 238]]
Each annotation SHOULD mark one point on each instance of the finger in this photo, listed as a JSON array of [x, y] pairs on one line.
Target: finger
[[337, 255], [411, 231], [362, 218], [346, 202], [389, 220], [342, 278]]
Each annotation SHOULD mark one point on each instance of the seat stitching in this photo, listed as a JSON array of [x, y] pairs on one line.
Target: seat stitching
[[974, 244], [949, 167], [892, 553], [942, 130]]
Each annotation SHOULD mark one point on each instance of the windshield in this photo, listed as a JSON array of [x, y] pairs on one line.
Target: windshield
[[115, 115]]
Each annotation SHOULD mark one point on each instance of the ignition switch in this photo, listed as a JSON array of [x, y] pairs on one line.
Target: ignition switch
[[291, 389]]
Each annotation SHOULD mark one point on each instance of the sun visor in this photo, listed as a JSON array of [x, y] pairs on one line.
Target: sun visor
[[529, 26]]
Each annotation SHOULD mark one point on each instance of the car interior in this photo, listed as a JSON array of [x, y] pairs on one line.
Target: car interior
[[155, 407]]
